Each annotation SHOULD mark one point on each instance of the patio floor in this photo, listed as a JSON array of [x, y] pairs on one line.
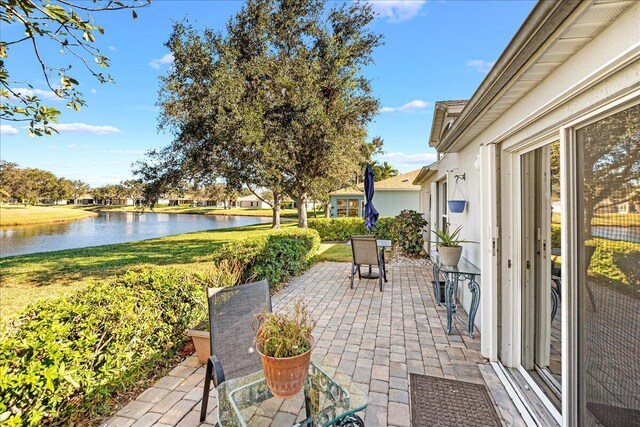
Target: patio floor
[[378, 338]]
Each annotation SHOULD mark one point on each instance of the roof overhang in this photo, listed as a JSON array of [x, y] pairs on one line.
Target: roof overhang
[[425, 173], [553, 31]]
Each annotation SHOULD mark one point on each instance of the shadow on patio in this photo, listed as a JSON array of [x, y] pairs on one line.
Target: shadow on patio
[[377, 338]]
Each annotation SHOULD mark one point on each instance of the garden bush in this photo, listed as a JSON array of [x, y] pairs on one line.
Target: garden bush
[[409, 226], [341, 229], [275, 256], [63, 360]]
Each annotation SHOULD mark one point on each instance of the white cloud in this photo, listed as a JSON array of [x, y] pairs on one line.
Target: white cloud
[[397, 10], [167, 59], [46, 95], [480, 65], [113, 48], [94, 91], [416, 104], [8, 130], [406, 162], [85, 128]]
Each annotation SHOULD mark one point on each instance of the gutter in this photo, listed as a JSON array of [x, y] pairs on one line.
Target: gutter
[[425, 173], [542, 22]]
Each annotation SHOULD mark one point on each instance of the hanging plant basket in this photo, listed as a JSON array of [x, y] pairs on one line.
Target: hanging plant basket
[[457, 206]]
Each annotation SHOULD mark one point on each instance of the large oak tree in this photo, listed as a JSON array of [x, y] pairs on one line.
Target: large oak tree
[[279, 101]]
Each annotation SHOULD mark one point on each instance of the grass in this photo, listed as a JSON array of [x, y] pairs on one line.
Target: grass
[[337, 252], [26, 215], [27, 278]]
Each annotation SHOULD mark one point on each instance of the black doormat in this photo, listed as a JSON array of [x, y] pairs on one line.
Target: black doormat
[[614, 415], [440, 402]]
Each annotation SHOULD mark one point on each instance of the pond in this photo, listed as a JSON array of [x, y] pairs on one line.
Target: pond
[[108, 228]]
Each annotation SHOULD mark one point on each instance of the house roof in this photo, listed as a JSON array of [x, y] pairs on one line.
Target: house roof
[[425, 173], [551, 34], [444, 115], [402, 182]]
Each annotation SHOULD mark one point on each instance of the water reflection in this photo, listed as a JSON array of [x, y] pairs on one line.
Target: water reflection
[[108, 228]]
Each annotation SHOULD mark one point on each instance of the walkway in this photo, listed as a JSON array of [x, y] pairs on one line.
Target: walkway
[[377, 338]]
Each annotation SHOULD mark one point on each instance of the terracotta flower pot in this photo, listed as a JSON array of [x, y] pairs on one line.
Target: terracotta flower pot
[[450, 255], [286, 376], [201, 341]]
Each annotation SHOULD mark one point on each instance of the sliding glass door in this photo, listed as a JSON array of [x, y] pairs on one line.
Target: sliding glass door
[[541, 337], [608, 271]]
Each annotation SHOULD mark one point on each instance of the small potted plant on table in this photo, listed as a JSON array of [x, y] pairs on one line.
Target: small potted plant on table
[[449, 245], [285, 344]]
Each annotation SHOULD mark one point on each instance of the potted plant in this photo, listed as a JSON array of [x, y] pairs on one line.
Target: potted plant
[[449, 245], [285, 344]]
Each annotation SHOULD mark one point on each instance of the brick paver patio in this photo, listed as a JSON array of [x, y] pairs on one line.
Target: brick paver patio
[[377, 338]]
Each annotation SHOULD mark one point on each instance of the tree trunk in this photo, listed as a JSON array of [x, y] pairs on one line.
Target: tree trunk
[[277, 200], [302, 210], [327, 210]]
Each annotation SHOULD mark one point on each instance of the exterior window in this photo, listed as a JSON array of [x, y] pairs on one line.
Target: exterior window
[[353, 207], [342, 208]]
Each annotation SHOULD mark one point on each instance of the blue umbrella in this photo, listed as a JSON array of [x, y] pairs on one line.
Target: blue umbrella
[[370, 213]]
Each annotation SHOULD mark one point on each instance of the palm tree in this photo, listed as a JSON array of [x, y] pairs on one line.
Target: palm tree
[[383, 171]]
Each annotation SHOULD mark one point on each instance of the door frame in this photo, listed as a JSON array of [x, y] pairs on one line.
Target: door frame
[[508, 205]]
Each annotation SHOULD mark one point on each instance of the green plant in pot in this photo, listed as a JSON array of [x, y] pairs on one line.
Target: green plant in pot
[[449, 245], [284, 342]]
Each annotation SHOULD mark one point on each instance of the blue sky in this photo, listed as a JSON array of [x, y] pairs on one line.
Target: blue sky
[[433, 50]]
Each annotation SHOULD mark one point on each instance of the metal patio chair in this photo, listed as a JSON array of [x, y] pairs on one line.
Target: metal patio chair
[[232, 313], [365, 252]]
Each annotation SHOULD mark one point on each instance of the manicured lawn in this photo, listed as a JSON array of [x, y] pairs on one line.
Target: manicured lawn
[[338, 252], [27, 278], [25, 215]]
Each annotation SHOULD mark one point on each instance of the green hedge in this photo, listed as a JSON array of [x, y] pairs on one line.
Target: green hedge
[[65, 358], [341, 229], [276, 256]]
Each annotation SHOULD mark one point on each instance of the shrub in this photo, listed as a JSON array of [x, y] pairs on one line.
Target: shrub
[[66, 357], [275, 256], [338, 229], [341, 229], [408, 228]]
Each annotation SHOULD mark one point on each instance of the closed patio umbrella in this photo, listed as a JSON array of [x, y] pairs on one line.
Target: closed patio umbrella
[[370, 213]]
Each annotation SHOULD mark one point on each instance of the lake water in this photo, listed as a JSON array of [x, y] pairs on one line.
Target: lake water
[[108, 228]]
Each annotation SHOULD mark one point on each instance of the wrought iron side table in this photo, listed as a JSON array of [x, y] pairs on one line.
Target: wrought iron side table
[[329, 399], [452, 275]]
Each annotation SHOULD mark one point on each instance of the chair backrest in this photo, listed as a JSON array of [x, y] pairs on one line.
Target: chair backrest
[[365, 250], [232, 318]]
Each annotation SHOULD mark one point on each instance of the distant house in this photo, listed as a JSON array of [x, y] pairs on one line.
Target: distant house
[[251, 201], [390, 196], [83, 199]]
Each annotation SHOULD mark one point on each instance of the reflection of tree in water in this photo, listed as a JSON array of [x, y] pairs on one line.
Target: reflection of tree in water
[[611, 162]]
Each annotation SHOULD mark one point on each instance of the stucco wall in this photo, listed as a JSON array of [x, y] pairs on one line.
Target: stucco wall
[[390, 203]]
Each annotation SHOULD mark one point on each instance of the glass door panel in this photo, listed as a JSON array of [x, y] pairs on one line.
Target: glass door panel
[[541, 352], [608, 282]]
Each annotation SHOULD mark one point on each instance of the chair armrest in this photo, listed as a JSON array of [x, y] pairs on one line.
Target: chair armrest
[[218, 372]]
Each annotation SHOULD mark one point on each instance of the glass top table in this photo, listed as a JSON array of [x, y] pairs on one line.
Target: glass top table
[[329, 396], [452, 275]]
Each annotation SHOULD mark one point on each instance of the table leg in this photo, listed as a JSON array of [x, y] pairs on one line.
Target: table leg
[[449, 298], [436, 284], [475, 302]]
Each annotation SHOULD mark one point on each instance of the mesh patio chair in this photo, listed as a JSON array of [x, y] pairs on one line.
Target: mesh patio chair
[[232, 313], [365, 252]]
